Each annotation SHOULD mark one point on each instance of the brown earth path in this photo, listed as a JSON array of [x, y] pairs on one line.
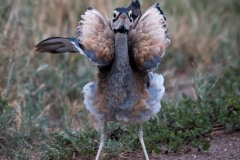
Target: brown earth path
[[223, 147]]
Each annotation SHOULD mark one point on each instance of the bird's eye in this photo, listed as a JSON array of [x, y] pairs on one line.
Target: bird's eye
[[114, 15], [130, 15]]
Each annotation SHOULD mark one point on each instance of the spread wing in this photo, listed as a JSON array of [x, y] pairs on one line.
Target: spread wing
[[95, 40], [57, 45], [148, 39], [96, 35]]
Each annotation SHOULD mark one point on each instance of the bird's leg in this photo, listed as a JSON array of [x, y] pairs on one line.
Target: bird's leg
[[140, 136], [103, 128]]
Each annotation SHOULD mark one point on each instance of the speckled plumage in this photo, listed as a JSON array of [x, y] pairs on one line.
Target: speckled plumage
[[95, 34], [148, 38], [125, 50], [121, 94], [149, 106]]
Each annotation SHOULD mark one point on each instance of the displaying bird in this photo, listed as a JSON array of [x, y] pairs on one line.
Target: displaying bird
[[126, 49]]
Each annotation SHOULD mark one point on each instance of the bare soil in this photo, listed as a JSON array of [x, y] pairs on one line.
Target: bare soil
[[223, 147]]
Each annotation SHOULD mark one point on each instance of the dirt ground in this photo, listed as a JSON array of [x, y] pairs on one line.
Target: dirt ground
[[223, 147]]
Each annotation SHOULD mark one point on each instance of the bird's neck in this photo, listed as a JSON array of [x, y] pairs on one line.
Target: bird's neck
[[121, 50], [120, 82]]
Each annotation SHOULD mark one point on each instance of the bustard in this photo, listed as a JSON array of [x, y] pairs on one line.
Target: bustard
[[125, 49]]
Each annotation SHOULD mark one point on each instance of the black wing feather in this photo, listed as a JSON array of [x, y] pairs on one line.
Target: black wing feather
[[57, 45]]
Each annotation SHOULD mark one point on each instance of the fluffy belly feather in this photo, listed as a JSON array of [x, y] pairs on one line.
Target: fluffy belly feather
[[140, 111]]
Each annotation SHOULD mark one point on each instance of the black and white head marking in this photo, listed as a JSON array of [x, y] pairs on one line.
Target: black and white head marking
[[122, 20]]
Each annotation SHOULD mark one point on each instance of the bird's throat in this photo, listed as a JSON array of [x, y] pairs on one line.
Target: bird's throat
[[120, 85], [121, 50]]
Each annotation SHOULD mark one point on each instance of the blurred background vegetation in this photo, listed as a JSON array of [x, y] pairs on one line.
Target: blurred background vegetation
[[41, 93]]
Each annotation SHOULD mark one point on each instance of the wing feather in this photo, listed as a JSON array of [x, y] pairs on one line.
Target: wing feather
[[148, 38], [96, 35], [57, 45]]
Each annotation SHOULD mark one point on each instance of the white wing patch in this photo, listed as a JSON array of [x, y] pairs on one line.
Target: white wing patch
[[78, 48]]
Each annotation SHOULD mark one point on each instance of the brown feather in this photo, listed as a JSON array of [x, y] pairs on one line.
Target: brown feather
[[95, 33], [149, 36]]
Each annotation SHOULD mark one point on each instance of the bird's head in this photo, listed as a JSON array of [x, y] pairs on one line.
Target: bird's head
[[122, 20]]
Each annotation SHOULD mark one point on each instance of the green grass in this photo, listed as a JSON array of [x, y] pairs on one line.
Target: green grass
[[41, 109], [187, 122]]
